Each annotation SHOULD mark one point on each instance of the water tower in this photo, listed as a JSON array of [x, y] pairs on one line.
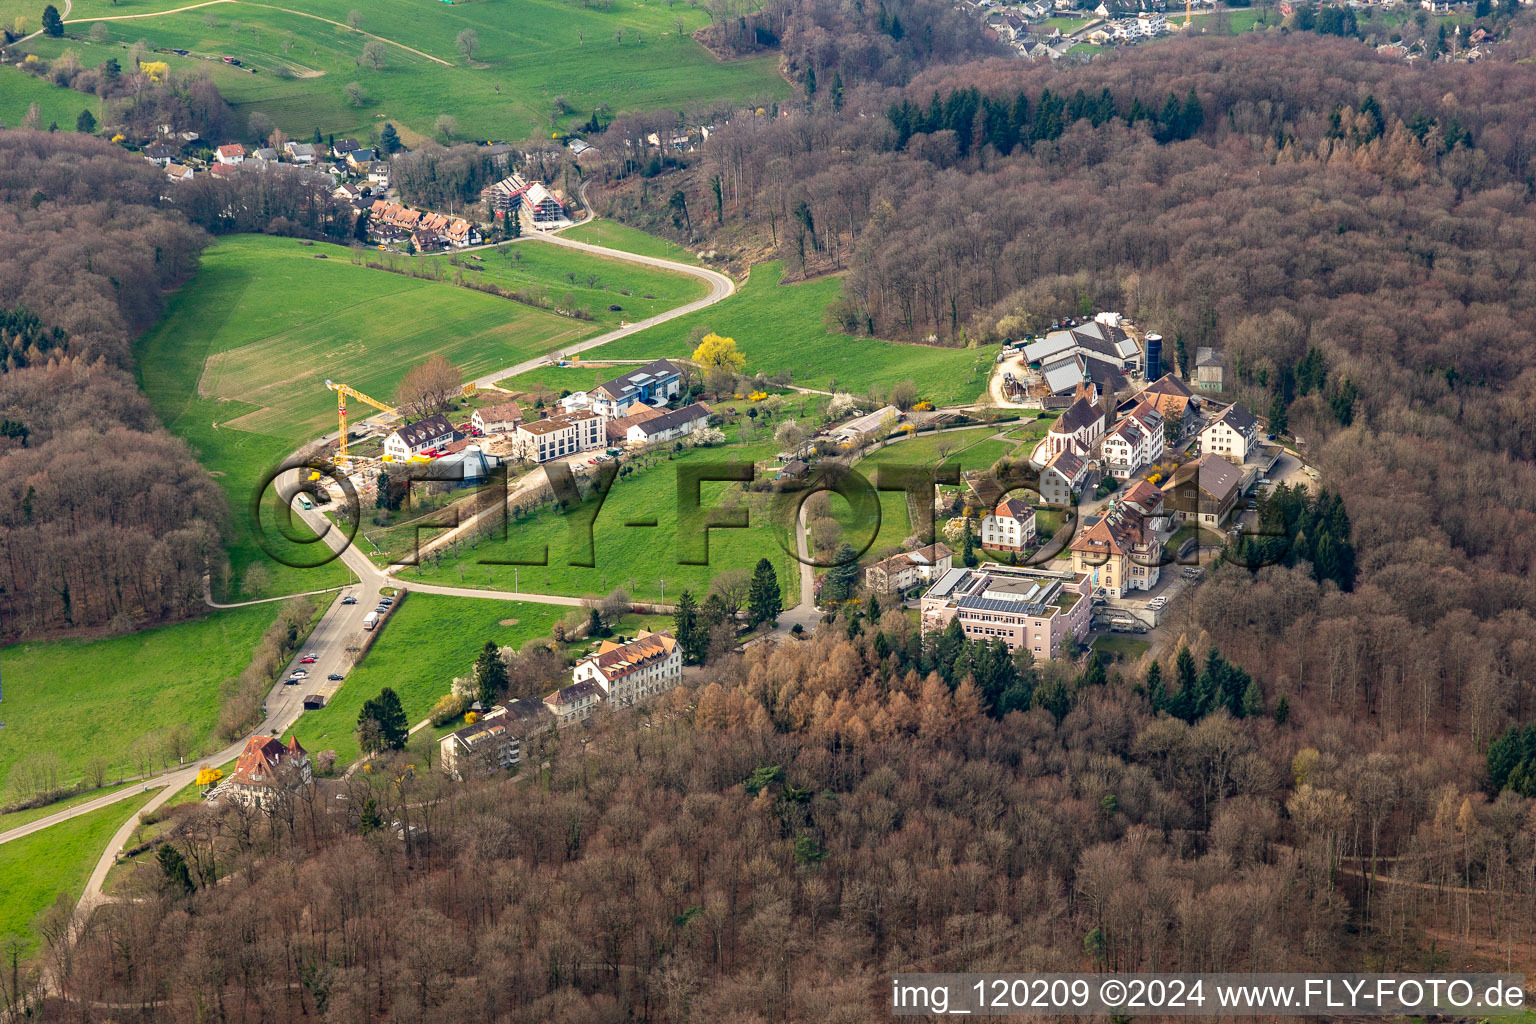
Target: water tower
[[1154, 356]]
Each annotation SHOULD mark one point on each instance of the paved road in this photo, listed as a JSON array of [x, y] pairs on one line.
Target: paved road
[[720, 287]]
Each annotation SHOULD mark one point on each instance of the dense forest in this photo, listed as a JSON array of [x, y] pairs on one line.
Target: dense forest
[[830, 811], [105, 519], [1357, 235]]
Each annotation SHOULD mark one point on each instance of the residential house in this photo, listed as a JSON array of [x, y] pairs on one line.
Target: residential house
[[414, 438], [1171, 397], [633, 671], [496, 741], [359, 159], [343, 147], [900, 573], [506, 195], [618, 430], [1032, 609], [263, 155], [1232, 434], [543, 208], [1119, 550], [1145, 497], [232, 154], [669, 426], [1063, 478], [559, 436], [300, 152], [178, 172], [351, 193], [267, 773], [376, 171], [497, 419], [224, 170], [575, 703], [1135, 442], [1203, 491], [1010, 526], [160, 154], [653, 384], [1208, 369]]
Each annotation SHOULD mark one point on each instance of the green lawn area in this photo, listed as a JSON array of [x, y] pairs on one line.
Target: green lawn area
[[641, 559], [16, 819], [540, 64], [19, 90], [35, 870], [1067, 25], [80, 698], [613, 235], [971, 449], [779, 327], [238, 366], [1126, 647], [427, 641], [571, 279]]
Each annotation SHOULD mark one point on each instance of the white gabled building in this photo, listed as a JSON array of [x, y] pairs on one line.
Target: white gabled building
[[1062, 478], [1232, 434], [1135, 442], [635, 671], [415, 438], [1009, 527]]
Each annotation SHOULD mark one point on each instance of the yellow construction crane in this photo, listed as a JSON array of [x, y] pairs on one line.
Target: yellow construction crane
[[342, 391]]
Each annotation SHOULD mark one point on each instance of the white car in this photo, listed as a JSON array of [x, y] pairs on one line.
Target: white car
[[1157, 602]]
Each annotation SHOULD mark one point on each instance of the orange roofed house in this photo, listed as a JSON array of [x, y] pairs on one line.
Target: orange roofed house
[[634, 671], [267, 772]]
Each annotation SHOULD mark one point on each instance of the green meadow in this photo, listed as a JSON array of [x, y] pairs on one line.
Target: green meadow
[[612, 235], [540, 65], [19, 90], [635, 540], [36, 870], [238, 367], [428, 640], [779, 327], [570, 279], [82, 698]]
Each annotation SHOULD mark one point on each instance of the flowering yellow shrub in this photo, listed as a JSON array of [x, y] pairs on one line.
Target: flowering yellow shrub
[[757, 396]]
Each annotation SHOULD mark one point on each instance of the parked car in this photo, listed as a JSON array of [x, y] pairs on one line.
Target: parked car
[[1157, 602], [349, 599], [308, 659], [386, 601]]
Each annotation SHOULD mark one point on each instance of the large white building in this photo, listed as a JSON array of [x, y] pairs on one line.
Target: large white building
[[1232, 434], [414, 438], [634, 671], [267, 773], [558, 436], [654, 384], [1009, 527], [1062, 478], [1135, 442]]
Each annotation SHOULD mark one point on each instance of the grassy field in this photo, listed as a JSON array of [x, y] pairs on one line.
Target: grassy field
[[80, 698], [970, 449], [540, 64], [637, 558], [19, 90], [575, 280], [239, 364], [613, 235], [779, 327], [16, 819], [427, 642], [35, 870]]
